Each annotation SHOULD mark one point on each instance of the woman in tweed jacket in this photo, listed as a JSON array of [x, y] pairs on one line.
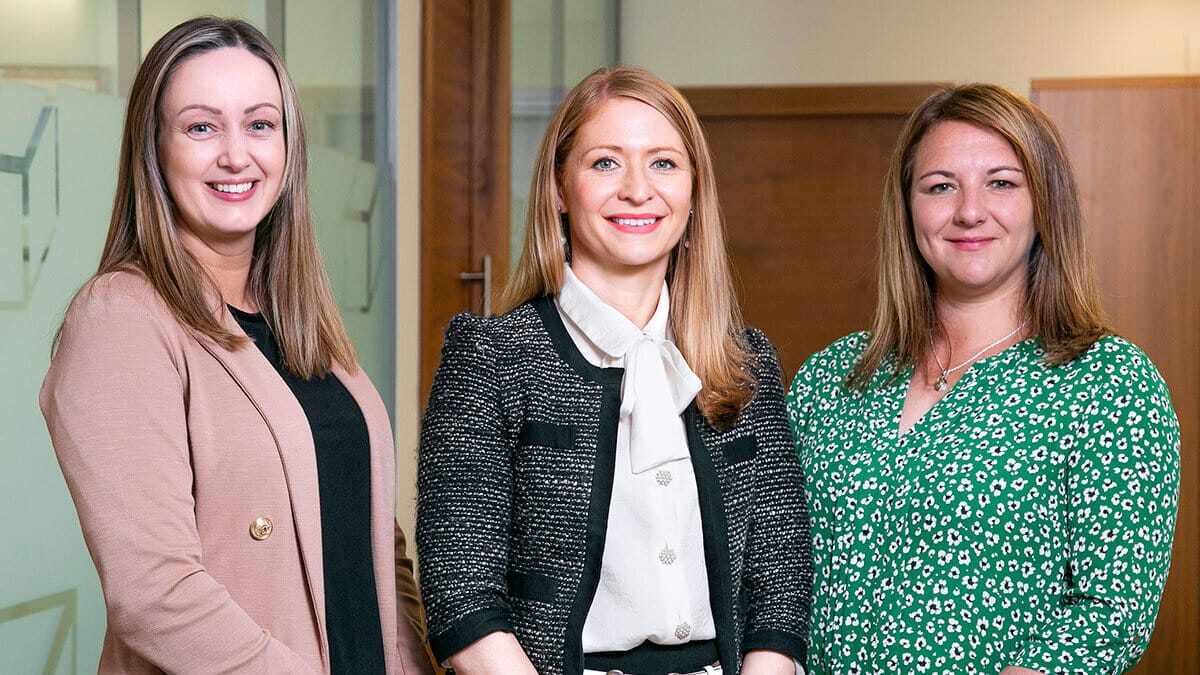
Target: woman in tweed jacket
[[606, 480]]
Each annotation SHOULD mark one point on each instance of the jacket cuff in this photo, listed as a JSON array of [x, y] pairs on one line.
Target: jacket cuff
[[467, 630], [789, 645]]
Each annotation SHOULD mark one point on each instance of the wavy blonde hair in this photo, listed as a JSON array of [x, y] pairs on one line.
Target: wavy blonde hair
[[1061, 293], [287, 279], [705, 319]]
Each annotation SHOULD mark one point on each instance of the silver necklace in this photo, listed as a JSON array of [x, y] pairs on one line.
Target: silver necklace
[[940, 383]]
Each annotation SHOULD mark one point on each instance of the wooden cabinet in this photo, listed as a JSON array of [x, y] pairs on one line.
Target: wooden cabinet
[[800, 176]]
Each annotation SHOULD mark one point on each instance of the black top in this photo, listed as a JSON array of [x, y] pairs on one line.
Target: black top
[[344, 480], [516, 469]]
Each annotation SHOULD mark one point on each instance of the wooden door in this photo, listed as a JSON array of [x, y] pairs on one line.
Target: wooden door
[[800, 176], [465, 111], [1135, 147]]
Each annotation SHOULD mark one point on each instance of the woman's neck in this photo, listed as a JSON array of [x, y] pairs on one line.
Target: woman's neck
[[634, 294], [228, 265], [966, 325]]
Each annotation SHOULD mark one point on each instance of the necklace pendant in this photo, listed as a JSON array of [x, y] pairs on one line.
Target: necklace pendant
[[940, 383]]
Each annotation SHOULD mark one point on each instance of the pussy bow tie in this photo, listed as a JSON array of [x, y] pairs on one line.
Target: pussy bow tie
[[657, 388]]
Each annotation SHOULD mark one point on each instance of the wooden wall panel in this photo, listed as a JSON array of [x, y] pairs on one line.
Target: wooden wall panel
[[800, 176], [1134, 146]]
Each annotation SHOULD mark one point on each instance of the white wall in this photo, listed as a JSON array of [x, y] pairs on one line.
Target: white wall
[[53, 32], [714, 42]]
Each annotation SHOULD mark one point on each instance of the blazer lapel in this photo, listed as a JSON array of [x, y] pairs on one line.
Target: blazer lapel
[[283, 415]]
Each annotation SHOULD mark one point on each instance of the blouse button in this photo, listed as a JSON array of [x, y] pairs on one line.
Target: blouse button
[[261, 528], [683, 630], [663, 477]]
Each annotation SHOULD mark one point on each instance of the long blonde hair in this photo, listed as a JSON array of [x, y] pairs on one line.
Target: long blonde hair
[[287, 279], [1062, 297], [705, 319]]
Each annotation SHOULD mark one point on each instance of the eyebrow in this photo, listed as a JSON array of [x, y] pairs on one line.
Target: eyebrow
[[617, 148], [214, 111], [950, 174]]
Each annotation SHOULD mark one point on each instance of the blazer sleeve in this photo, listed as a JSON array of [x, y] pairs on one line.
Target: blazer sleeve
[[464, 494], [410, 613], [778, 574], [114, 403]]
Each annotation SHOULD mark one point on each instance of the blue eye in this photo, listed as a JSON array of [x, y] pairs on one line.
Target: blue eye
[[663, 164], [261, 125], [605, 164], [200, 128], [1003, 184], [940, 188]]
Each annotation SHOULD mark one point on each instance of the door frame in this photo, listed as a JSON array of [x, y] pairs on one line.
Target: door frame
[[466, 101]]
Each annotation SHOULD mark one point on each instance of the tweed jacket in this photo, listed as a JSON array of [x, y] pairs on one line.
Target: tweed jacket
[[515, 477], [194, 474]]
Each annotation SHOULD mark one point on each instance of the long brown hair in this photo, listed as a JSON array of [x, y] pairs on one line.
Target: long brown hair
[[1061, 293], [705, 319], [287, 279]]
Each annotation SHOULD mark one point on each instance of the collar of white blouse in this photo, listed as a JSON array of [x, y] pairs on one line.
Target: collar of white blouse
[[658, 384]]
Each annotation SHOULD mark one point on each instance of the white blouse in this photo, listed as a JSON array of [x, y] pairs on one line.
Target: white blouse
[[653, 578]]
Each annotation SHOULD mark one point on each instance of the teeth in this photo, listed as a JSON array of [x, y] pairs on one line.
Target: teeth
[[635, 222], [233, 189]]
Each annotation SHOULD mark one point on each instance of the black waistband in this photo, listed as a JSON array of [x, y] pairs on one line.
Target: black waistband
[[651, 659]]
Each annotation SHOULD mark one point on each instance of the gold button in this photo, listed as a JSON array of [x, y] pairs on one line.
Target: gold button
[[261, 528]]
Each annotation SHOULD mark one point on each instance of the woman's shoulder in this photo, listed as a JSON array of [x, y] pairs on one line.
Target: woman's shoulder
[[1121, 363], [758, 342], [117, 287], [854, 343], [494, 332], [837, 358], [521, 317], [124, 296]]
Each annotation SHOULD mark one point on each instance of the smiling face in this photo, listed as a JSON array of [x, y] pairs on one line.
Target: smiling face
[[972, 210], [221, 145], [626, 186]]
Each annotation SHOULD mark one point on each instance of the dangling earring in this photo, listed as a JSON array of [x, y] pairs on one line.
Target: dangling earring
[[686, 242], [565, 235]]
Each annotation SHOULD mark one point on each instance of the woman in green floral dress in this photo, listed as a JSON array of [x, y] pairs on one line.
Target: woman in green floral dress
[[992, 474]]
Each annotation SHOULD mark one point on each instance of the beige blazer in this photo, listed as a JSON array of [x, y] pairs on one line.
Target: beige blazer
[[194, 474]]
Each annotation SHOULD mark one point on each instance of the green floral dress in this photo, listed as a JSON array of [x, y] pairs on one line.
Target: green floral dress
[[1025, 520]]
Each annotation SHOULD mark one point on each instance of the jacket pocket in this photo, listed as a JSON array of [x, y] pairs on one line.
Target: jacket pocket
[[548, 435], [532, 586], [739, 450]]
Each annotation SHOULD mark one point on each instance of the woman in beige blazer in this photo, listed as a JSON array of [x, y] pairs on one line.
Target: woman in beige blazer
[[235, 492]]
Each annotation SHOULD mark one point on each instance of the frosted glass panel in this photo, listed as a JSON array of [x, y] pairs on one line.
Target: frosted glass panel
[[160, 16], [60, 129], [49, 250], [556, 43], [333, 54]]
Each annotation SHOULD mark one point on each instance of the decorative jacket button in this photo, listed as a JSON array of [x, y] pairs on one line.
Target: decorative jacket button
[[683, 630], [663, 477], [261, 528], [666, 556]]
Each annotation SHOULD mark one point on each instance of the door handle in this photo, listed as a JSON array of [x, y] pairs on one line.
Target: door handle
[[486, 277]]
